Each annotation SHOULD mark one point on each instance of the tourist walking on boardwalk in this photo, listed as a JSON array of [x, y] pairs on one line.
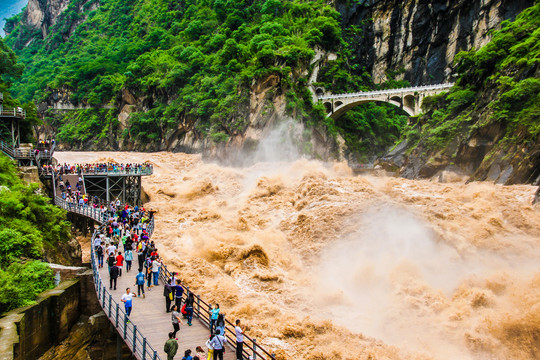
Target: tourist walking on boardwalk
[[220, 324], [156, 266], [113, 273], [210, 348], [239, 340], [129, 258], [176, 320], [189, 307], [119, 262], [178, 292], [218, 341], [139, 281], [171, 347], [213, 318], [127, 299], [100, 251], [187, 355], [169, 295], [200, 353]]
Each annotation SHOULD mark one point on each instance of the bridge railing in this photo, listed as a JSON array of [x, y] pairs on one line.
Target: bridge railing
[[15, 153], [388, 91], [12, 112], [201, 310], [147, 170], [132, 336]]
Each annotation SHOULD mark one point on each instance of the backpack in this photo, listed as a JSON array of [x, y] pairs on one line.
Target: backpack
[[99, 250]]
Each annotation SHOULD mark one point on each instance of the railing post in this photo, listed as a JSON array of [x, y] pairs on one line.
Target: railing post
[[125, 326], [155, 355], [110, 305], [134, 338], [144, 348], [254, 349], [117, 311], [198, 306]]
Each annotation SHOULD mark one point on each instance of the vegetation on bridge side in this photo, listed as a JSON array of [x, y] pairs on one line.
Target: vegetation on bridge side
[[28, 225], [495, 104]]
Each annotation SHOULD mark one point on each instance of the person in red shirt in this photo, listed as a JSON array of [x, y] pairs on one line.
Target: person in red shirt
[[119, 262]]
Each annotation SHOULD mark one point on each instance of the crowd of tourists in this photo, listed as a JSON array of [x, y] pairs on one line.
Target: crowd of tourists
[[96, 168], [123, 243]]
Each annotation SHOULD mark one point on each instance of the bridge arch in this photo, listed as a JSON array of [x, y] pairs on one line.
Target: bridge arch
[[319, 92], [342, 108]]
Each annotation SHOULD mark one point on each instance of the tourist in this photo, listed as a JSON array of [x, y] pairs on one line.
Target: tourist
[[210, 348], [176, 320], [239, 340], [178, 292], [156, 266], [218, 341], [113, 272], [99, 252], [127, 299], [111, 249], [187, 355], [111, 260], [189, 307], [139, 281], [213, 317], [119, 262], [220, 324], [169, 294], [129, 258], [200, 353], [171, 347], [149, 273]]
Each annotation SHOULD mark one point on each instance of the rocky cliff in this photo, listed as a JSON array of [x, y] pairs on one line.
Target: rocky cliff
[[417, 39]]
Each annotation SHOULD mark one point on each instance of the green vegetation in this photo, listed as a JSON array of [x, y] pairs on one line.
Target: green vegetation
[[10, 69], [497, 85], [194, 61], [28, 224]]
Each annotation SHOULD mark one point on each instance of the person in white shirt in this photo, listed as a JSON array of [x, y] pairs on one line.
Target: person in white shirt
[[239, 340], [156, 265], [127, 299], [111, 249]]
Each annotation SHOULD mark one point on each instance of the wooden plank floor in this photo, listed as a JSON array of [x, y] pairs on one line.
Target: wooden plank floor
[[154, 323]]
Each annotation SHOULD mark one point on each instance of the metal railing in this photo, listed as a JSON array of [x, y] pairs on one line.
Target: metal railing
[[388, 91], [145, 170], [132, 336], [12, 112], [14, 153]]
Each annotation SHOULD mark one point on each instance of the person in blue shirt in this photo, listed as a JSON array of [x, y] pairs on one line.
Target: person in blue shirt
[[213, 318], [139, 281], [187, 355], [178, 292]]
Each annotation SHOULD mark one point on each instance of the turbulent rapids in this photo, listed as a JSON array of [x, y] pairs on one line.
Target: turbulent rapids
[[322, 264]]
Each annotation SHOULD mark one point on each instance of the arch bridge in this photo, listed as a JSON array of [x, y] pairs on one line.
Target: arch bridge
[[409, 99]]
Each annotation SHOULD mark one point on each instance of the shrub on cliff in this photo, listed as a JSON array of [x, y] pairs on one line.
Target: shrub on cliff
[[28, 222]]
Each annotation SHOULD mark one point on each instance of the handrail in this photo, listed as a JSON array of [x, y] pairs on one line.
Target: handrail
[[14, 152], [127, 329], [15, 112], [387, 91], [148, 170]]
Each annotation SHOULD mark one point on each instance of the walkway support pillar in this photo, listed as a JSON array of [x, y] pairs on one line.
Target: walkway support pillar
[[107, 186]]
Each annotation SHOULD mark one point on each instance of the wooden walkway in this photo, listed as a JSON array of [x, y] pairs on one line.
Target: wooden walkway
[[154, 322]]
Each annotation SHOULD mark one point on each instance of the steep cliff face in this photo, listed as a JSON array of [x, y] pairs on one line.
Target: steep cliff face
[[418, 39]]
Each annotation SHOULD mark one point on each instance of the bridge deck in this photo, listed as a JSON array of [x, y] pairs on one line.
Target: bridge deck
[[152, 320]]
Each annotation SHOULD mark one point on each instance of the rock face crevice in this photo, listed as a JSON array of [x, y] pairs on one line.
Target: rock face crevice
[[419, 38]]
